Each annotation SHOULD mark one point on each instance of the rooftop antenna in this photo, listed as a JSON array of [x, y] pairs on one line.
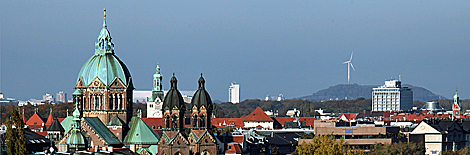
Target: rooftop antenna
[[399, 77], [349, 65]]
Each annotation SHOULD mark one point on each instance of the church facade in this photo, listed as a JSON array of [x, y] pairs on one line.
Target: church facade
[[174, 139], [104, 85]]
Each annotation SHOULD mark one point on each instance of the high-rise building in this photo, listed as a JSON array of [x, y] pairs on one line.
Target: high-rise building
[[234, 93], [104, 85], [154, 103], [392, 97], [48, 98], [61, 97]]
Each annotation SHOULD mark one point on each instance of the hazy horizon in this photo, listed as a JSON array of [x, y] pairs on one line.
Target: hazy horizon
[[294, 48]]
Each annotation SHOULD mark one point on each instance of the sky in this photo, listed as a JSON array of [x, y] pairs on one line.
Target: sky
[[294, 48]]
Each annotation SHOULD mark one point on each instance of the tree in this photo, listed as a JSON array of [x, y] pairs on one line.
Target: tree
[[11, 143], [325, 145], [399, 148], [16, 140]]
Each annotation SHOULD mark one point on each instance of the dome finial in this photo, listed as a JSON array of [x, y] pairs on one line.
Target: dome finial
[[173, 81], [104, 10], [201, 82]]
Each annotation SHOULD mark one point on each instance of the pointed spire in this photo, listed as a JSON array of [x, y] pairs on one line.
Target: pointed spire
[[158, 68], [104, 44]]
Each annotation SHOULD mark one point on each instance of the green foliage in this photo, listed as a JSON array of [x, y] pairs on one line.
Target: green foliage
[[399, 148], [11, 143], [16, 140], [325, 145], [465, 150]]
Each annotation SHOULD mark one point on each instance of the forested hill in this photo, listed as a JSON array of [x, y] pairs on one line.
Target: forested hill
[[354, 91]]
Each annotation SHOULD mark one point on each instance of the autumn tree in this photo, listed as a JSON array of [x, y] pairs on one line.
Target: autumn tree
[[325, 145], [399, 148]]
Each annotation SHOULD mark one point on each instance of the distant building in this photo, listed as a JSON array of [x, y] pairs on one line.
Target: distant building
[[48, 98], [61, 97], [234, 93], [275, 98], [154, 103], [392, 97]]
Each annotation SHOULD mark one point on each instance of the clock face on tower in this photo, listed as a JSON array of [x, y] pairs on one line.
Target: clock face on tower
[[456, 113]]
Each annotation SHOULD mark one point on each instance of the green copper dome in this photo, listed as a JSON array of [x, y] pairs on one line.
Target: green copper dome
[[104, 64]]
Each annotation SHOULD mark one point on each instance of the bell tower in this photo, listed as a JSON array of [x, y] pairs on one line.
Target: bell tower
[[456, 106]]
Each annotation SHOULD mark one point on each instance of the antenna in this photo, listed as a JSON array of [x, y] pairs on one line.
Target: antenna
[[349, 66]]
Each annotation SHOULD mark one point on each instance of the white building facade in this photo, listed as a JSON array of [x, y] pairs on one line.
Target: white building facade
[[392, 97], [234, 93]]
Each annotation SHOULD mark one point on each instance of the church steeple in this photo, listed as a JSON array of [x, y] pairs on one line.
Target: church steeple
[[456, 106], [104, 44], [157, 80]]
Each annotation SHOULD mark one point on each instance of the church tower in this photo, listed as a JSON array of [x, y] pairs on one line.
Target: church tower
[[201, 106], [456, 106], [154, 103], [104, 85], [173, 109]]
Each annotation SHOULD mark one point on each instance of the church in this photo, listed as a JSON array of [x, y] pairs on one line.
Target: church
[[103, 118]]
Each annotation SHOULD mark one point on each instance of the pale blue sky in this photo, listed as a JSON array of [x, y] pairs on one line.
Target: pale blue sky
[[291, 47]]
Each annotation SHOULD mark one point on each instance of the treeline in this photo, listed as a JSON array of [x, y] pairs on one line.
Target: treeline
[[308, 108]]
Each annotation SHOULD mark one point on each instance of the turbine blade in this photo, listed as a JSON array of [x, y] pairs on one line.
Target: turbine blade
[[352, 66], [346, 62], [351, 55]]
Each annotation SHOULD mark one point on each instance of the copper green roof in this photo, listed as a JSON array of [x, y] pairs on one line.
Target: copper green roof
[[78, 92], [116, 121], [104, 64], [140, 133], [67, 123], [102, 130], [76, 138]]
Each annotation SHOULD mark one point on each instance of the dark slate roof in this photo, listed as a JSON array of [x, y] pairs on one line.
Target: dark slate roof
[[201, 97], [116, 121], [55, 126], [284, 139], [102, 130]]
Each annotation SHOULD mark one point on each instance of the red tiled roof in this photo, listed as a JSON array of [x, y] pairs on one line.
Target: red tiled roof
[[349, 116], [309, 121], [60, 119], [283, 120], [235, 148], [258, 115], [35, 119], [154, 123], [238, 138], [50, 119], [223, 122]]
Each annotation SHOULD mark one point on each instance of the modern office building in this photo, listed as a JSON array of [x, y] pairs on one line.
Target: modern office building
[[234, 93], [61, 97], [392, 97], [48, 98]]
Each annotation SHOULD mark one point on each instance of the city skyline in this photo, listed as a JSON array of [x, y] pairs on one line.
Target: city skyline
[[269, 47]]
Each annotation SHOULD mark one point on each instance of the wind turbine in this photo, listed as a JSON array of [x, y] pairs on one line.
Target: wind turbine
[[349, 64]]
